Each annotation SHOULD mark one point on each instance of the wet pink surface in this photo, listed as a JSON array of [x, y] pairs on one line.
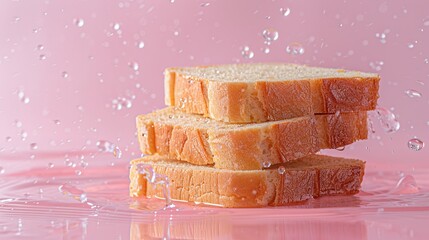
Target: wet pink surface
[[63, 66]]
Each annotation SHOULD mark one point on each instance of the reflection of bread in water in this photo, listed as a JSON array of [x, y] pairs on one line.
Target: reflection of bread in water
[[308, 177], [202, 141], [252, 226], [244, 93]]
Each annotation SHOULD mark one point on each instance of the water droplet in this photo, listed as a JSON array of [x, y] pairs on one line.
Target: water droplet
[[78, 172], [416, 144], [120, 103], [40, 47], [270, 34], [42, 57], [105, 146], [140, 45], [266, 50], [376, 65], [247, 53], [50, 165], [79, 22], [411, 45], [295, 48], [117, 152], [413, 93], [205, 4], [382, 36], [65, 74], [22, 97], [116, 26], [57, 122], [266, 164], [285, 11], [23, 135], [406, 185], [388, 120], [34, 146], [2, 171], [134, 66], [8, 139], [281, 170]]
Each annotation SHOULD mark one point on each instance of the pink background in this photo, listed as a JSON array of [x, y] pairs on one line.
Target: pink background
[[97, 60]]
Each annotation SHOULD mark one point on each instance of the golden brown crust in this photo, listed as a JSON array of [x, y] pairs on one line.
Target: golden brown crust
[[249, 147], [247, 102], [319, 176]]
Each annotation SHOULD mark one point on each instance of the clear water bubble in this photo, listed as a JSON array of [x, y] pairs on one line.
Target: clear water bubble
[[285, 11], [413, 93], [410, 45], [33, 146], [205, 4], [2, 171], [388, 120], [8, 139], [281, 170], [42, 57], [416, 144], [65, 74], [57, 122], [105, 146], [23, 135], [295, 48], [79, 22], [247, 53], [22, 97], [140, 44], [266, 50], [270, 34], [266, 164], [406, 185], [50, 165], [78, 172], [40, 47]]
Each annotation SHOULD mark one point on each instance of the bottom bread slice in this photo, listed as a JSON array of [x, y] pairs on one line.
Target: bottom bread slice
[[296, 181]]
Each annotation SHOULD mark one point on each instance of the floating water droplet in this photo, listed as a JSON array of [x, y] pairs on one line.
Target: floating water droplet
[[2, 171], [247, 53], [22, 97], [57, 122], [270, 34], [79, 22], [413, 93], [42, 57], [140, 45], [411, 45], [266, 50], [134, 66], [78, 172], [382, 36], [23, 135], [105, 146], [406, 185], [266, 164], [34, 146], [73, 192], [416, 144], [8, 139], [281, 170], [120, 103], [117, 152], [50, 165], [285, 11], [40, 47], [295, 48], [116, 26], [388, 120], [205, 4], [65, 74]]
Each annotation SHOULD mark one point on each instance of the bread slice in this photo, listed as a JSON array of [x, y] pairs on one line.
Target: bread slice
[[203, 141], [296, 181], [246, 93]]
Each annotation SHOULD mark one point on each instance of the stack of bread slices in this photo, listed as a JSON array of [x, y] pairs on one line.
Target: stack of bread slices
[[247, 135]]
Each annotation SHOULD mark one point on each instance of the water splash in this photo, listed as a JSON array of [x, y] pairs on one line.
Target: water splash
[[406, 185], [156, 180], [73, 192], [388, 120], [106, 146]]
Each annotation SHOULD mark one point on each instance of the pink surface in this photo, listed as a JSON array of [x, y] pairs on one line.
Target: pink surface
[[71, 59]]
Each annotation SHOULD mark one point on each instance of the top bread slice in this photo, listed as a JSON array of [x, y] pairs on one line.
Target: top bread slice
[[204, 141], [247, 93]]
